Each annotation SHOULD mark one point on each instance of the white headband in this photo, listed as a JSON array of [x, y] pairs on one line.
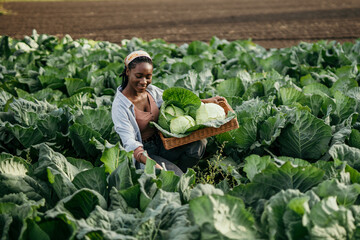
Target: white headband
[[134, 55]]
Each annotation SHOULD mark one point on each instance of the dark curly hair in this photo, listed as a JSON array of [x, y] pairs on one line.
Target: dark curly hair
[[132, 65]]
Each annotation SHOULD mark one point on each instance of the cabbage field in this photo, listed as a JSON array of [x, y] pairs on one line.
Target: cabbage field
[[290, 171]]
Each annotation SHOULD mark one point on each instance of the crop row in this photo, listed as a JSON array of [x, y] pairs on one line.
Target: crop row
[[290, 171]]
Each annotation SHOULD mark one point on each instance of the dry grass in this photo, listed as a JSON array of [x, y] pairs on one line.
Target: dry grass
[[54, 0], [3, 11]]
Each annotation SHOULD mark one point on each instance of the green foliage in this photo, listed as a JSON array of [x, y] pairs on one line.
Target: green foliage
[[217, 170], [290, 171], [222, 217]]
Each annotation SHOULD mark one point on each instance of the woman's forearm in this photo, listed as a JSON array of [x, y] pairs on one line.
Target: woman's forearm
[[142, 158], [215, 99]]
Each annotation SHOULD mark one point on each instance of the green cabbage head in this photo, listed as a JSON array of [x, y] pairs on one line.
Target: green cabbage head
[[209, 112], [174, 111], [181, 124]]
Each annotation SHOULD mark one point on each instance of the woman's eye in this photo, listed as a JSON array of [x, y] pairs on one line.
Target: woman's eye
[[140, 76]]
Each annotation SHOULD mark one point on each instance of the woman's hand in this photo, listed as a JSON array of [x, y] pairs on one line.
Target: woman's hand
[[216, 99], [143, 159], [158, 166]]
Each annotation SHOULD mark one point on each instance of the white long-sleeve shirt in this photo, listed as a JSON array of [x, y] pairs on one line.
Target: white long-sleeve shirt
[[123, 116]]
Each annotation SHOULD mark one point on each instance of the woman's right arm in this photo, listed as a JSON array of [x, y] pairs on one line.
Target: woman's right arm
[[127, 134], [123, 126]]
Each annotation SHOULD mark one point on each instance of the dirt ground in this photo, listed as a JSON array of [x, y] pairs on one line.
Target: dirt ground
[[270, 23]]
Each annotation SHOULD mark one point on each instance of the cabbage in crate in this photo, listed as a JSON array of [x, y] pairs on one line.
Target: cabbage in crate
[[177, 102], [209, 112], [174, 111], [181, 124], [183, 112]]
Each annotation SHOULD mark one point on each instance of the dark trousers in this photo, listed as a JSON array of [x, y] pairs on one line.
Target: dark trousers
[[178, 159]]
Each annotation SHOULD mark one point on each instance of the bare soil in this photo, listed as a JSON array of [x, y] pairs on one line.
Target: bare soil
[[270, 23]]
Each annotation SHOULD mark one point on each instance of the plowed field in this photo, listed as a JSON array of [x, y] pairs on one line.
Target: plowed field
[[271, 23]]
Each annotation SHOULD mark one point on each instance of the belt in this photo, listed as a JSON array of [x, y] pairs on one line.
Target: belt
[[150, 139]]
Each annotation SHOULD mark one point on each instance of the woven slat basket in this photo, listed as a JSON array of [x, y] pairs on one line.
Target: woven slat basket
[[173, 142]]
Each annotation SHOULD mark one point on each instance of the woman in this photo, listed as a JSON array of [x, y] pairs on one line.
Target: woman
[[136, 103]]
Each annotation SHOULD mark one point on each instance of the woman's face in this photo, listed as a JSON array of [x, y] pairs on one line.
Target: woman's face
[[140, 76]]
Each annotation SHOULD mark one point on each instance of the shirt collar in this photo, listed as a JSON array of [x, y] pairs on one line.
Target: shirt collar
[[125, 101]]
